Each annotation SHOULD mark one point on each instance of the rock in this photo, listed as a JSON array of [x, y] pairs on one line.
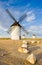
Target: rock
[[23, 50], [31, 58], [24, 45], [38, 42], [32, 41], [24, 41]]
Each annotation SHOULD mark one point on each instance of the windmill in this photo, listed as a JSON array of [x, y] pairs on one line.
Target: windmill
[[15, 28], [34, 36]]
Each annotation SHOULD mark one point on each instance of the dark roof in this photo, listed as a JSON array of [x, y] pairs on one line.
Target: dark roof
[[15, 24]]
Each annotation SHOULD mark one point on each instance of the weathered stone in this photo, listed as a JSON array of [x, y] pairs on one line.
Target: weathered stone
[[38, 42], [24, 45], [23, 50], [31, 58], [24, 41], [32, 41]]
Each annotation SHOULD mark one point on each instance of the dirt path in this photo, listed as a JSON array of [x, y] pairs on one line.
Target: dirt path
[[9, 54]]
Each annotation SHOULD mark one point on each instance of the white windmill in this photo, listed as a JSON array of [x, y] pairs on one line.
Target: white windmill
[[15, 28], [34, 36]]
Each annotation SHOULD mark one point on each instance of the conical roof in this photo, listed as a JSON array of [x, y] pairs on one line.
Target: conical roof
[[15, 24]]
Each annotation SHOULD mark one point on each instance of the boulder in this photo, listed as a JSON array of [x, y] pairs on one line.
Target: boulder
[[23, 50], [24, 41], [31, 58], [38, 42], [32, 41], [24, 45]]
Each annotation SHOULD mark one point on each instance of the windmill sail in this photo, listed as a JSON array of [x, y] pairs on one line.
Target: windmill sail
[[24, 30], [10, 15], [22, 17]]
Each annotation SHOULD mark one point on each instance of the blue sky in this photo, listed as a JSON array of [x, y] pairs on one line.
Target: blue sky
[[33, 21]]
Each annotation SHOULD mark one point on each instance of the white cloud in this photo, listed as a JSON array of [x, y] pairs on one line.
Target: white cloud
[[2, 27], [36, 29], [5, 19], [29, 12], [16, 14], [30, 16]]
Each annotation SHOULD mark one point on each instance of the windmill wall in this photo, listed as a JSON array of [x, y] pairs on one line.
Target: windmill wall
[[16, 33]]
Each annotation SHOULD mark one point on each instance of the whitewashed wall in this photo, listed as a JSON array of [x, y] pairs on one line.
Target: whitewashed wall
[[15, 33], [33, 37]]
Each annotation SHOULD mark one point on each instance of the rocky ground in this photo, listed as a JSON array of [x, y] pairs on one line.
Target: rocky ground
[[9, 54]]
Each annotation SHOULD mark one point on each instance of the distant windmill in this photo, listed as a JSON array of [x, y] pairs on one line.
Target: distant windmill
[[15, 28], [34, 36]]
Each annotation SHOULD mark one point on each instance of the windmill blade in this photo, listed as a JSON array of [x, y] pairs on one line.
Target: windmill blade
[[8, 31], [22, 17], [10, 15], [12, 25], [24, 30]]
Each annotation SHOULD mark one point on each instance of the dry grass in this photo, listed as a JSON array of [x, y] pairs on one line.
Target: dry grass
[[9, 54]]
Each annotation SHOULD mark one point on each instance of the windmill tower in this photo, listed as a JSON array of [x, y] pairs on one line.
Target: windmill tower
[[34, 36], [15, 28]]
